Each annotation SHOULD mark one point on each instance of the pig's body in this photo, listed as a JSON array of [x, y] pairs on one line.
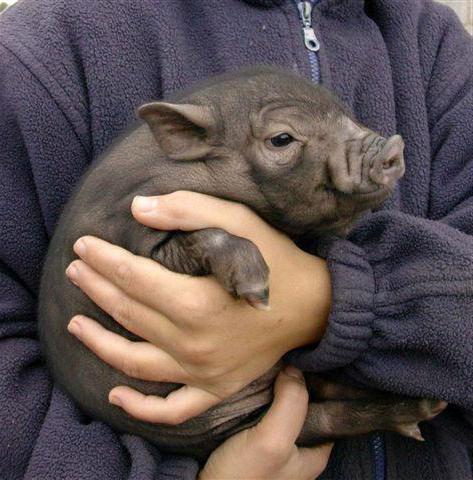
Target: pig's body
[[138, 165], [100, 206]]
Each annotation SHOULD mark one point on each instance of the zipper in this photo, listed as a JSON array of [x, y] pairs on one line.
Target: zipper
[[378, 451], [311, 42]]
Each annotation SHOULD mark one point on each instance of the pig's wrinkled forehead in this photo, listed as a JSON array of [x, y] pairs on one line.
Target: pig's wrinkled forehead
[[251, 89]]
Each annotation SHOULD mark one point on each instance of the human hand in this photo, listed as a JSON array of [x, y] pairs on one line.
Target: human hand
[[268, 450], [195, 333]]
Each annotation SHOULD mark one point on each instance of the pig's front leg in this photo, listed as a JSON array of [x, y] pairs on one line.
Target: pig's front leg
[[235, 261]]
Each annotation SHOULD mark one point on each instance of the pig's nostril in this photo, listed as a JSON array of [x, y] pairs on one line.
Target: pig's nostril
[[389, 163]]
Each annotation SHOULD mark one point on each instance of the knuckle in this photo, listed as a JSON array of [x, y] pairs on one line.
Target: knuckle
[[176, 202], [195, 305], [211, 375], [179, 195], [198, 353], [241, 211], [298, 392], [214, 372], [122, 313], [123, 274], [243, 215], [274, 449], [177, 417], [130, 367]]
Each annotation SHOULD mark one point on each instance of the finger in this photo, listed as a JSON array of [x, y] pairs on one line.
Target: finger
[[145, 280], [130, 314], [314, 460], [285, 418], [189, 211], [179, 406], [136, 359]]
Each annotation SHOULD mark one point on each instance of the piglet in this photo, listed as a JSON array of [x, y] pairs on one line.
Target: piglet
[[263, 137]]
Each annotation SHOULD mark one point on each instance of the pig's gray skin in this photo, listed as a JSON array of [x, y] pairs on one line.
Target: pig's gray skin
[[216, 139]]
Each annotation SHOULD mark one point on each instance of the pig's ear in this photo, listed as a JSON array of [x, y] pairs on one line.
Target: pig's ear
[[181, 130]]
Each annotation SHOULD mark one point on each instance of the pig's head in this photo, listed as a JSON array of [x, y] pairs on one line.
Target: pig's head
[[283, 145]]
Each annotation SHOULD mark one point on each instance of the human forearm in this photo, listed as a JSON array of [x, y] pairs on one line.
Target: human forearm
[[401, 316], [402, 284], [314, 285]]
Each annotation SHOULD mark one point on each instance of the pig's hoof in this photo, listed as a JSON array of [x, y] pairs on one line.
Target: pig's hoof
[[431, 408], [410, 430], [246, 274], [406, 422], [258, 298]]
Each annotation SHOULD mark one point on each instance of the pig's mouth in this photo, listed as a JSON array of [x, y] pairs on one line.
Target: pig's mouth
[[379, 191], [360, 201]]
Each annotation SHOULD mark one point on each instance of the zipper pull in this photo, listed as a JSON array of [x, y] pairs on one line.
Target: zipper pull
[[310, 40]]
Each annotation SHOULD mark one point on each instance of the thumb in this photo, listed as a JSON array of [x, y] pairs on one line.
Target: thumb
[[314, 460], [286, 416], [183, 210]]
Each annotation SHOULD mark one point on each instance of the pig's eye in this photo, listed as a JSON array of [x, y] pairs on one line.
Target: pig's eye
[[281, 140]]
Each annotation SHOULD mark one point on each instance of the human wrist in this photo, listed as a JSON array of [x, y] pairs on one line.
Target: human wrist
[[312, 303], [350, 326]]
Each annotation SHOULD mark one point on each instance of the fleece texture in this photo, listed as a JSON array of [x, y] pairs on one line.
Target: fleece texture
[[71, 76]]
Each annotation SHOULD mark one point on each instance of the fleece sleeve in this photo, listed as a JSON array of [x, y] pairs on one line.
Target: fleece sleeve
[[43, 435], [402, 314]]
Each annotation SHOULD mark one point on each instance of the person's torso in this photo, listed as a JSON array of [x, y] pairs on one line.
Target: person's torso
[[107, 58]]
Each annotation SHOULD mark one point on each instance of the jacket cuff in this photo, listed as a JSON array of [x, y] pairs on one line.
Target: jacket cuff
[[350, 322]]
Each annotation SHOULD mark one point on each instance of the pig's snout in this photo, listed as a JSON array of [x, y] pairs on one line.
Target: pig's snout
[[387, 166], [364, 162]]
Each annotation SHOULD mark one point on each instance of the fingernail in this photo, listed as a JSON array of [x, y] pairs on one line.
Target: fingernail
[[115, 400], [80, 247], [293, 372], [72, 273], [75, 328], [145, 204]]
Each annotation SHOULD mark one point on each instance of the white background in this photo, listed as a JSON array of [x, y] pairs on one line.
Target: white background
[[464, 9]]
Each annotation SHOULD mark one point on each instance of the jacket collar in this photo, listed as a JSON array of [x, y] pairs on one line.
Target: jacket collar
[[335, 7], [265, 3]]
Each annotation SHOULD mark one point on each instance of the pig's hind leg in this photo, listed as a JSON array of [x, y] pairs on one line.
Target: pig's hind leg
[[235, 261], [344, 411]]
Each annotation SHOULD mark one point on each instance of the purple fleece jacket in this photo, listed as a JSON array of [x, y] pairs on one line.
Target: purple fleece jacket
[[72, 74]]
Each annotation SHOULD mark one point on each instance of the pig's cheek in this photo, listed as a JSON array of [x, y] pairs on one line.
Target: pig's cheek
[[289, 156], [276, 162]]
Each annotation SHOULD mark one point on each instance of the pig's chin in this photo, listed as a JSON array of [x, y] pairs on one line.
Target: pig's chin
[[366, 200]]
